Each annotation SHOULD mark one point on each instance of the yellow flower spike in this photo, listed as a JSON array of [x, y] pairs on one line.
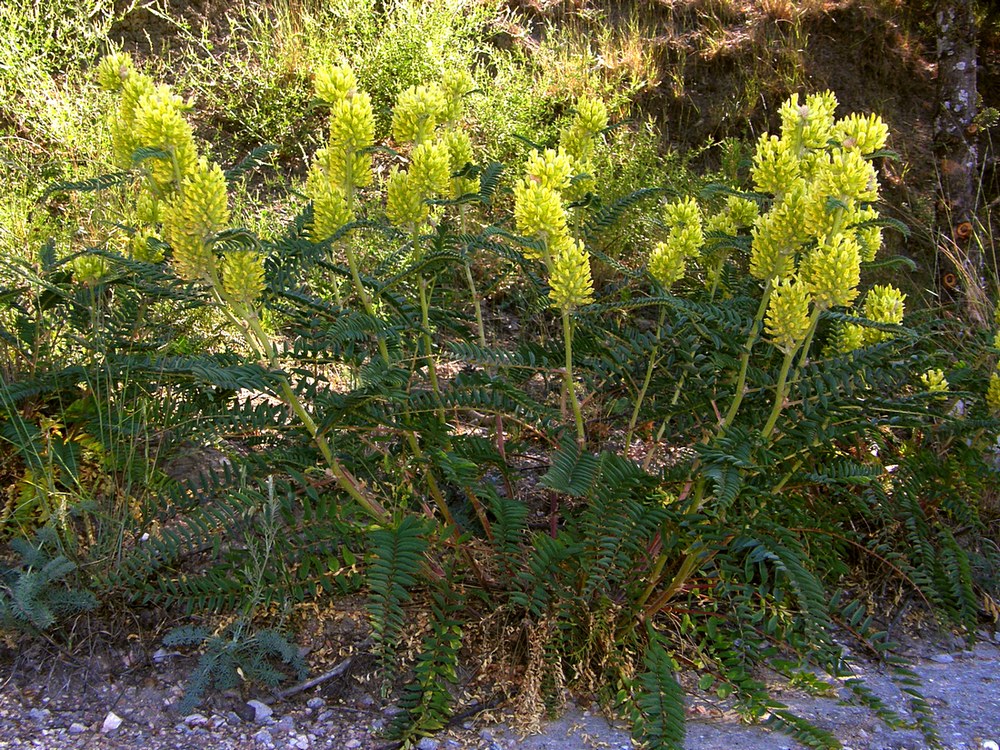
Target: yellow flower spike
[[147, 208], [570, 284], [865, 133], [331, 211], [551, 168], [847, 337], [405, 205], [352, 131], [460, 156], [742, 211], [198, 211], [869, 237], [591, 116], [809, 125], [934, 381], [777, 237], [668, 263], [113, 70], [419, 110], [832, 271], [787, 320], [89, 269], [996, 341], [124, 140], [160, 124], [457, 85], [334, 83], [538, 210], [141, 248], [430, 169], [683, 214], [243, 276], [721, 222], [884, 304], [775, 168], [993, 393]]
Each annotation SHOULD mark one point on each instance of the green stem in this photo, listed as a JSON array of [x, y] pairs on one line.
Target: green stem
[[780, 392], [260, 342], [813, 323], [645, 383], [581, 437], [366, 302], [741, 380]]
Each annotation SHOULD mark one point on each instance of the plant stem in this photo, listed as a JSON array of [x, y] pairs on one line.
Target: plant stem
[[581, 437], [645, 383], [780, 392], [741, 381]]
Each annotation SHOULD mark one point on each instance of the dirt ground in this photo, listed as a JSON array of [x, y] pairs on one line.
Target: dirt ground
[[57, 702]]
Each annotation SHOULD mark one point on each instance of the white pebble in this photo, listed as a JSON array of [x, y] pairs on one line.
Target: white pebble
[[111, 722]]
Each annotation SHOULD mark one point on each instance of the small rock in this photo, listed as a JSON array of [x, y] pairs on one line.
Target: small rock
[[111, 722], [263, 737], [352, 744], [943, 658], [301, 742], [315, 703], [39, 714], [989, 745], [261, 711], [428, 743], [324, 715], [287, 724], [77, 728], [195, 720]]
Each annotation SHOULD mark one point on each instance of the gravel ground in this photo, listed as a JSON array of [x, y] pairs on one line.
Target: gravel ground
[[131, 709]]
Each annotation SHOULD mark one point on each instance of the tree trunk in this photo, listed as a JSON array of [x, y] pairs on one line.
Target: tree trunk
[[958, 163]]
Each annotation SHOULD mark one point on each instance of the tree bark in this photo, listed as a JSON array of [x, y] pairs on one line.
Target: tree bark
[[962, 279]]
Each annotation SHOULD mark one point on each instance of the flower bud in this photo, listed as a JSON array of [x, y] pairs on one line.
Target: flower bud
[[430, 169], [775, 168], [459, 157], [160, 124], [456, 85], [419, 110], [884, 304], [668, 262], [865, 133], [334, 83], [197, 212], [934, 381], [538, 210], [114, 70], [993, 393], [787, 319], [832, 271], [405, 205], [550, 168], [243, 276], [570, 284]]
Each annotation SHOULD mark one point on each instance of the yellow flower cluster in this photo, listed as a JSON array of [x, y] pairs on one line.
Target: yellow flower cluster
[[193, 217], [428, 117], [935, 381], [185, 196], [539, 211], [787, 321], [578, 141], [883, 304], [668, 260], [821, 225], [570, 283], [419, 110], [345, 164]]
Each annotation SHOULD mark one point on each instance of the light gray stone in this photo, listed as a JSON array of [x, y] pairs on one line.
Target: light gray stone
[[943, 658], [429, 743], [77, 728], [111, 723], [261, 711]]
